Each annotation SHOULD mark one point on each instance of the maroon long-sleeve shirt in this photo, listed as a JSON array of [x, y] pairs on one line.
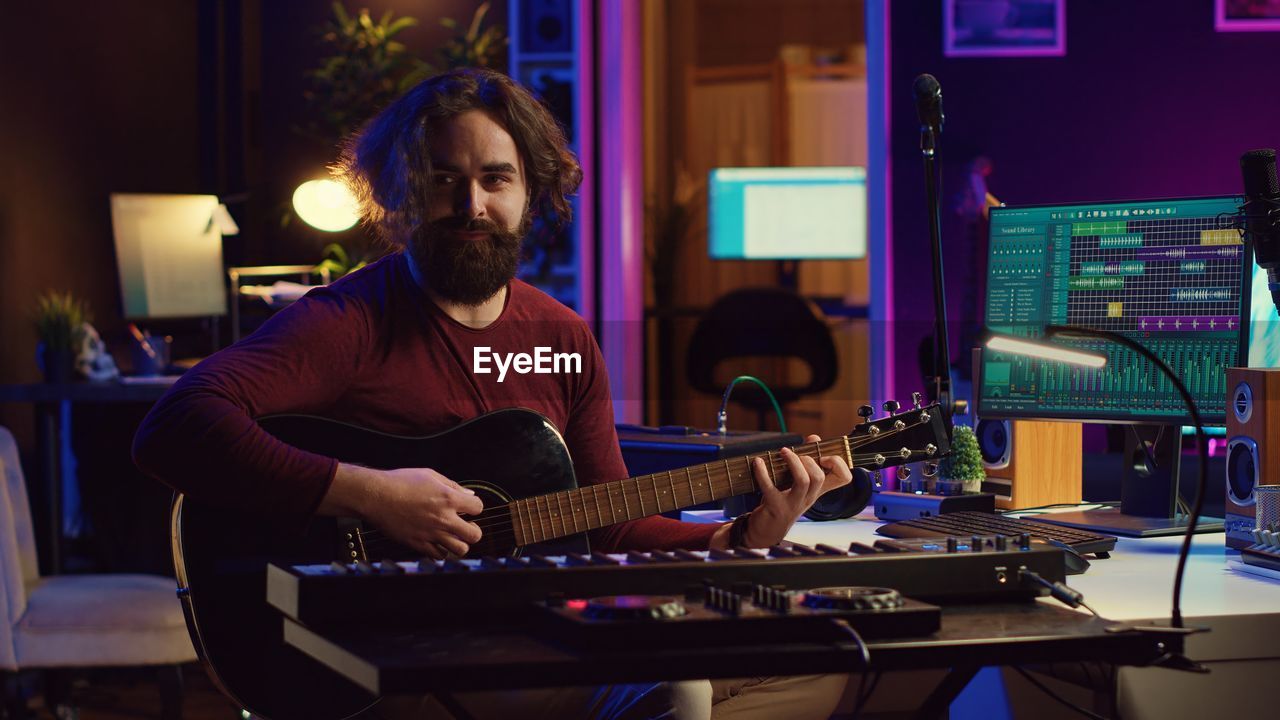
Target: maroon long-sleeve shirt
[[373, 350]]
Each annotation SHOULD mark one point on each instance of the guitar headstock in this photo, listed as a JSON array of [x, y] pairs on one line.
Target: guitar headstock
[[918, 434]]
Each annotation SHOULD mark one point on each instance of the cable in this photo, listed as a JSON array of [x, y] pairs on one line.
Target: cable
[[864, 697], [1061, 592], [1040, 509], [1182, 507], [857, 639], [1202, 445], [1063, 701], [1086, 606], [723, 417]]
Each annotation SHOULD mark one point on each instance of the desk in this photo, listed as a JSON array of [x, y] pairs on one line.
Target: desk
[[1136, 584], [53, 403], [413, 662]]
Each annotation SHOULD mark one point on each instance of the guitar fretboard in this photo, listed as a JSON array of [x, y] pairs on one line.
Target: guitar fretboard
[[545, 517]]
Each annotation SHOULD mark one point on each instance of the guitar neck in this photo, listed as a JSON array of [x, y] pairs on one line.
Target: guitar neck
[[546, 517]]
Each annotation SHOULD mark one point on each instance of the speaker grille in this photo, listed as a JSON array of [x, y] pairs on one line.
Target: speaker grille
[[993, 442], [1242, 470]]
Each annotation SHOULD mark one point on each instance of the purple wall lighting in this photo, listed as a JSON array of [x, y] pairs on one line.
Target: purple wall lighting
[[1004, 28], [1246, 15]]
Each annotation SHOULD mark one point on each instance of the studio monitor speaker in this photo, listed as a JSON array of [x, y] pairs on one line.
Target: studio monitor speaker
[[1253, 417], [546, 26], [1029, 463]]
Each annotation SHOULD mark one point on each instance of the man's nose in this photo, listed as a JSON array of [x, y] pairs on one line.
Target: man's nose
[[469, 202]]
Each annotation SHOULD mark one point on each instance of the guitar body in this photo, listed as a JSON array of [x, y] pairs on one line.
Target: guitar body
[[221, 556]]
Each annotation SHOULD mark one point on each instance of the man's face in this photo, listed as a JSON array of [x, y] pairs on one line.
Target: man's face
[[469, 246]]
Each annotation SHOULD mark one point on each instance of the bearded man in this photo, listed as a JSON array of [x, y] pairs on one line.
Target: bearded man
[[451, 173]]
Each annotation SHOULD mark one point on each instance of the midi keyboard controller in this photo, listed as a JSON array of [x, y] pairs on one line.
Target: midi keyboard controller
[[459, 591]]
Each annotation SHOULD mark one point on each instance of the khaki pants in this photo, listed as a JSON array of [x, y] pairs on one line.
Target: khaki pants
[[799, 697]]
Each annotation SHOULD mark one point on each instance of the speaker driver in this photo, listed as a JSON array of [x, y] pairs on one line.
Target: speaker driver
[[1242, 470], [993, 442], [1242, 402]]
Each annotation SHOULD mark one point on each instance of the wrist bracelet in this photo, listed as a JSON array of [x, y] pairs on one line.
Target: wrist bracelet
[[738, 531]]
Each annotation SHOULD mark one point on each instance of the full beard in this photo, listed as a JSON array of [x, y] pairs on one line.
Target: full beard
[[463, 270]]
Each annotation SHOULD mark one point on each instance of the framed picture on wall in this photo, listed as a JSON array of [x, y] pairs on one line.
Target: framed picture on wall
[[1004, 28], [1246, 15]]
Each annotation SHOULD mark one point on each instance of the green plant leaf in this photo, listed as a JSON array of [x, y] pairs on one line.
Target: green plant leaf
[[401, 24]]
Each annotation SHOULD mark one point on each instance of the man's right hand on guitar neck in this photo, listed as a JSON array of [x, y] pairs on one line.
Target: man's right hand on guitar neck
[[417, 507]]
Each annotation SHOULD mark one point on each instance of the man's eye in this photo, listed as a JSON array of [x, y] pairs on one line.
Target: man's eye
[[497, 180], [443, 179]]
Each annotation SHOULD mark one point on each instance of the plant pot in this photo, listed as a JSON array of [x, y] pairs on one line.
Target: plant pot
[[58, 365]]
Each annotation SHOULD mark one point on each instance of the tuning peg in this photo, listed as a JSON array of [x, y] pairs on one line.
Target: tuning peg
[[930, 469], [916, 397], [865, 412], [904, 472], [891, 406]]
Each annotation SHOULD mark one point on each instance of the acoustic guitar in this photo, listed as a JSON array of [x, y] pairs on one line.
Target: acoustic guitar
[[516, 462]]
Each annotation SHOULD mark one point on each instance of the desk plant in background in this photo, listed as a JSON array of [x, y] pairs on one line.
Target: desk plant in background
[[59, 319]]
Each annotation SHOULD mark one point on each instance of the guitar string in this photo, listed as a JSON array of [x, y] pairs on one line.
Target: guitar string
[[501, 523], [503, 526], [499, 517], [837, 443], [501, 514]]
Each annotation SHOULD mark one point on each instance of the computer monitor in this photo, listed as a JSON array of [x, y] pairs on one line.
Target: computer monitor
[[169, 255], [787, 213], [1173, 275]]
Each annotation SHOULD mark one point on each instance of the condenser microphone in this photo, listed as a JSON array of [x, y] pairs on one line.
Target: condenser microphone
[[1262, 214], [929, 108]]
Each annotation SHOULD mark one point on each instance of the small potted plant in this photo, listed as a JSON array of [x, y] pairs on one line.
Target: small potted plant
[[965, 461], [59, 321]]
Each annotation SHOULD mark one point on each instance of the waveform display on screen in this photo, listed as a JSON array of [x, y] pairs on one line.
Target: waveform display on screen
[[1169, 274]]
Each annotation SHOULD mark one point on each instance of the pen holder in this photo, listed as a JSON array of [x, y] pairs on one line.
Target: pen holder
[[1267, 501], [150, 355]]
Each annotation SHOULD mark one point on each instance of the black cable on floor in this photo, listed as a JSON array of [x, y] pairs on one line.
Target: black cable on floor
[[1063, 701]]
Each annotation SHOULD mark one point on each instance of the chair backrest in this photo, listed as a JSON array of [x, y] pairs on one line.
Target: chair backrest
[[18, 568], [762, 322]]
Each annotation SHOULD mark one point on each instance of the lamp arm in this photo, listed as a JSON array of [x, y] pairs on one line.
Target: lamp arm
[[1202, 443]]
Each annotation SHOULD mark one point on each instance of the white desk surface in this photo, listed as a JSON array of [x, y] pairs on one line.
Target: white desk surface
[[1135, 583]]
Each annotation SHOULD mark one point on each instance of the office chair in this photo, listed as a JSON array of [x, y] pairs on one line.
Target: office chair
[[59, 622], [766, 322]]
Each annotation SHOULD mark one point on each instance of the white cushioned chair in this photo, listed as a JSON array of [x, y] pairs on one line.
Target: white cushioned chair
[[78, 621]]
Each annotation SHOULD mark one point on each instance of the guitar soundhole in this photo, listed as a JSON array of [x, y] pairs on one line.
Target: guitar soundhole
[[498, 533]]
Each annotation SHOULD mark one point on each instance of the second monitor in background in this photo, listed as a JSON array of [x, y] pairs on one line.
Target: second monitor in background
[[1170, 274], [787, 213]]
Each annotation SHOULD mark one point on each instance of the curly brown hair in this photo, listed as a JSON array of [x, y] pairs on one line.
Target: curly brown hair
[[388, 167]]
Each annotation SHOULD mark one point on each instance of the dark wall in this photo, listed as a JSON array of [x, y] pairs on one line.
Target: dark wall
[[98, 98], [1149, 101], [740, 32], [196, 96], [166, 97]]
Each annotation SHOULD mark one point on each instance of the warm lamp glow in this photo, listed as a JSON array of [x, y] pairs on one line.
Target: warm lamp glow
[[1045, 351], [326, 205]]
